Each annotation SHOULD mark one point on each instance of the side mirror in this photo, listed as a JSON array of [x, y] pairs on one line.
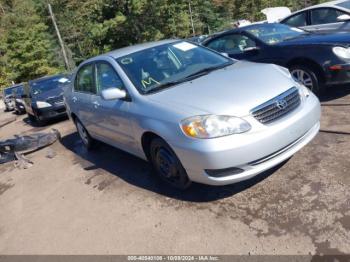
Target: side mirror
[[343, 18], [113, 94]]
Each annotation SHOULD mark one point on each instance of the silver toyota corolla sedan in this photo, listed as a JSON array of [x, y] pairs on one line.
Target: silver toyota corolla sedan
[[195, 114]]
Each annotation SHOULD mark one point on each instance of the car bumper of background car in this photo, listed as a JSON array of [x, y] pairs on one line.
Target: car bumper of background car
[[20, 108], [9, 106], [236, 158], [50, 112], [338, 74]]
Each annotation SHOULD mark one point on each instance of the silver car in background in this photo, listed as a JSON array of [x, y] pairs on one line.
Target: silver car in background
[[195, 114]]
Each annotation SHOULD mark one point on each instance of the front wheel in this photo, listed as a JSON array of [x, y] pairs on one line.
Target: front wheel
[[167, 166], [308, 77], [88, 141]]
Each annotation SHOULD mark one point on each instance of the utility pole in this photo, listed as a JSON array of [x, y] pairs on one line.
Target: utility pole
[[59, 38], [2, 9], [190, 9]]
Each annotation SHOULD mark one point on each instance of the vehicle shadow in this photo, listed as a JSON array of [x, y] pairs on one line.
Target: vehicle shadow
[[139, 173], [335, 92], [44, 124]]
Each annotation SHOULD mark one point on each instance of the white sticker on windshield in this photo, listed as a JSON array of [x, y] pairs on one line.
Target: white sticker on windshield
[[184, 46], [297, 29], [63, 80]]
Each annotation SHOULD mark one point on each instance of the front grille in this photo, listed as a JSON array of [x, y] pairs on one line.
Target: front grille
[[277, 107], [55, 100]]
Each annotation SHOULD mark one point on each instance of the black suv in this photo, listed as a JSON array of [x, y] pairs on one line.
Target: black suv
[[44, 98]]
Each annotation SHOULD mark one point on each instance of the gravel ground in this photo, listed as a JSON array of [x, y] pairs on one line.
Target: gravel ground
[[108, 202]]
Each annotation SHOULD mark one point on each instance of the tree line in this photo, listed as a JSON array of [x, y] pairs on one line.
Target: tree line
[[29, 48]]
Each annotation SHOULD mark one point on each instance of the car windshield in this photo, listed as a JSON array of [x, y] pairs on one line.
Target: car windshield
[[18, 91], [345, 4], [275, 33], [156, 68], [43, 86], [8, 91]]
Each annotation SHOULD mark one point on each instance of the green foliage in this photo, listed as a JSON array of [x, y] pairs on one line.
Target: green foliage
[[27, 49], [28, 46]]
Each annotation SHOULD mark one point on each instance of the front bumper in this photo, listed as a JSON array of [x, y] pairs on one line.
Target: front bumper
[[338, 74], [50, 112], [9, 106], [19, 107], [264, 147]]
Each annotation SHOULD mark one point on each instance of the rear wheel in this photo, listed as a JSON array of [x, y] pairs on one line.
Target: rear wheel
[[308, 77], [167, 166], [88, 141]]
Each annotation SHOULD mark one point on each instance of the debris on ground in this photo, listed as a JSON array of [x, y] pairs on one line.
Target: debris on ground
[[50, 153], [7, 121], [19, 146]]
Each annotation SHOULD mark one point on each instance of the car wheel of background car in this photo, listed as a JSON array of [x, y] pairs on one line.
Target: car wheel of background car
[[167, 166], [88, 141], [31, 118], [35, 120], [308, 77]]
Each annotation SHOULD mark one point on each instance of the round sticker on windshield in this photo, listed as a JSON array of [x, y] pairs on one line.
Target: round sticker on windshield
[[126, 60]]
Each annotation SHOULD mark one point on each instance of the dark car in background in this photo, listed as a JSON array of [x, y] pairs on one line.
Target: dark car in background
[[8, 101], [315, 60], [197, 39], [44, 98], [327, 17], [17, 98]]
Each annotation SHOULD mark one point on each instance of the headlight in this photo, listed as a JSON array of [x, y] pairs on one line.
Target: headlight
[[41, 104], [342, 52], [212, 126], [303, 90]]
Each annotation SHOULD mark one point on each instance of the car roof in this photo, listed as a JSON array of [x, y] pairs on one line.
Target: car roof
[[132, 49], [328, 4], [44, 78], [14, 86], [333, 4]]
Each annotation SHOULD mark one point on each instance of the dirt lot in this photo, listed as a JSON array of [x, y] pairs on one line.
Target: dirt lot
[[108, 202]]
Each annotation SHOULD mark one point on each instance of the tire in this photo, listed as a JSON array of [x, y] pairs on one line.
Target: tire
[[84, 135], [35, 120], [308, 76], [31, 118], [167, 165]]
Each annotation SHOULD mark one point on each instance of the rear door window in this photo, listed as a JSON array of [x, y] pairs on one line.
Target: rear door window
[[85, 81], [325, 16]]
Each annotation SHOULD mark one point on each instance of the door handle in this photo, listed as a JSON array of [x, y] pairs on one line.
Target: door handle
[[96, 104], [74, 99]]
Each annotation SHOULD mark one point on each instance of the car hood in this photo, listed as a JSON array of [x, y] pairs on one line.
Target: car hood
[[234, 90], [49, 94], [319, 38]]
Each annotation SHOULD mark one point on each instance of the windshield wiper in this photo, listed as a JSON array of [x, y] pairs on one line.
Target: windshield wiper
[[164, 86], [190, 77], [206, 71]]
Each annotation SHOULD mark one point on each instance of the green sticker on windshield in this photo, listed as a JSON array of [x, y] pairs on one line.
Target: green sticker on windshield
[[148, 82]]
